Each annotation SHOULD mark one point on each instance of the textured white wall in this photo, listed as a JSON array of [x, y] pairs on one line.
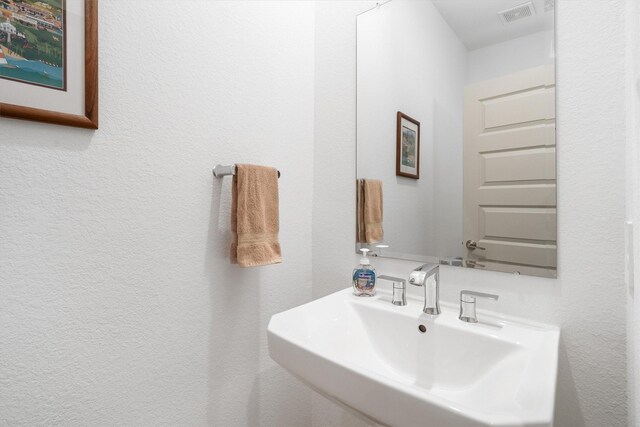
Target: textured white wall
[[398, 45], [588, 299], [632, 257], [118, 305]]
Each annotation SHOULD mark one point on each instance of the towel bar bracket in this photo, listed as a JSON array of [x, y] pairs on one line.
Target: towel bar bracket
[[219, 171]]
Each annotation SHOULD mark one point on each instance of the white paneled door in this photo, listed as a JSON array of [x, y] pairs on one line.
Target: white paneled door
[[510, 173]]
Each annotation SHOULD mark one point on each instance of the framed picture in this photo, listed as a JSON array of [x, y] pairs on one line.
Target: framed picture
[[407, 147], [49, 61]]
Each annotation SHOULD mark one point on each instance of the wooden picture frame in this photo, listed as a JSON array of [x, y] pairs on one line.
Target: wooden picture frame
[[89, 118], [407, 147]]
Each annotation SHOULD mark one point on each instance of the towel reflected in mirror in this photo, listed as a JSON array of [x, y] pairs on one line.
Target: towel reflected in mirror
[[369, 211]]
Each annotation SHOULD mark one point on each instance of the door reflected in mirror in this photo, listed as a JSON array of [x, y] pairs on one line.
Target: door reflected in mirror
[[456, 131]]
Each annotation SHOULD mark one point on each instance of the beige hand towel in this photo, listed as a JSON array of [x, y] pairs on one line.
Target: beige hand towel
[[254, 216], [370, 211]]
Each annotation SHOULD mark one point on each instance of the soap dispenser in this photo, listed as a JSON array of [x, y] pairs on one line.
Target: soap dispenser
[[364, 277]]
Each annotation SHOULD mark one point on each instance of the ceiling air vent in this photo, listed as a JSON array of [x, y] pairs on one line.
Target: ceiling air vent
[[522, 11], [549, 5]]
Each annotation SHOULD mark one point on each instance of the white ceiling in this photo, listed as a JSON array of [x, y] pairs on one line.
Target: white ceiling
[[477, 24]]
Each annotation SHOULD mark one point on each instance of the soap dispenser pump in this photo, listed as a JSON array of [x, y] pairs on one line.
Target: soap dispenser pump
[[364, 277]]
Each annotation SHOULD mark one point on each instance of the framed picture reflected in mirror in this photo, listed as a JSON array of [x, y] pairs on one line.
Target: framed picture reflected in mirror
[[407, 147]]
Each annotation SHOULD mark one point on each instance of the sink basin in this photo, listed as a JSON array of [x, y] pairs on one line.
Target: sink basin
[[372, 357]]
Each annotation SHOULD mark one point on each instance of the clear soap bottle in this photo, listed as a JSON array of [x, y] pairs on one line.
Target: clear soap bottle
[[364, 277]]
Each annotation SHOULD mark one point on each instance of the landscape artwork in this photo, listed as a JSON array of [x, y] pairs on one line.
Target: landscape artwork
[[32, 42], [407, 147]]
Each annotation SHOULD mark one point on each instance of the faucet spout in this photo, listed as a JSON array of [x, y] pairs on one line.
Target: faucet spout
[[419, 277]]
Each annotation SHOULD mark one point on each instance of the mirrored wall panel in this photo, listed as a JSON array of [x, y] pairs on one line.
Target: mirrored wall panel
[[456, 133]]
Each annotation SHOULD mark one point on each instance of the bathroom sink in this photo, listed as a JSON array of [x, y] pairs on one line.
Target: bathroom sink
[[373, 357]]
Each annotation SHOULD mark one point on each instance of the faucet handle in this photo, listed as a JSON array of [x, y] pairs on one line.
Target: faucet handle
[[470, 296], [392, 279], [468, 304], [399, 289]]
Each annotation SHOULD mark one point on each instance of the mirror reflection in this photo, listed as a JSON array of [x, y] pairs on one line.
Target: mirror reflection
[[456, 133]]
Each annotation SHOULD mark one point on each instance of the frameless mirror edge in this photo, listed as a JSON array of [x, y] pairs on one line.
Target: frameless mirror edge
[[549, 273]]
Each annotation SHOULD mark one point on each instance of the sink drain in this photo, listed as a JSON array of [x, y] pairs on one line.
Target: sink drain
[[422, 328]]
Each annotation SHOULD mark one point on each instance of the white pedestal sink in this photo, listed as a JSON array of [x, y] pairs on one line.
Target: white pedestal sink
[[371, 356]]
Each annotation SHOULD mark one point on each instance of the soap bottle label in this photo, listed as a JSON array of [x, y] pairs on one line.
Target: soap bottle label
[[364, 282]]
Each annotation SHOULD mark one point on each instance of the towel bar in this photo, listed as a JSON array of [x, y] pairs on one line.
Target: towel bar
[[219, 171]]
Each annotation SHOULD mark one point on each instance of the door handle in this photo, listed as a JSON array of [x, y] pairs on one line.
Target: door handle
[[473, 264], [473, 245]]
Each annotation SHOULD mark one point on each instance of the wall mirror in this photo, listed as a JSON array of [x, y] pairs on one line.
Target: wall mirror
[[456, 124]]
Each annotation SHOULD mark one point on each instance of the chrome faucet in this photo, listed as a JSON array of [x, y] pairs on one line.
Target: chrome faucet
[[418, 277], [468, 305], [399, 289]]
